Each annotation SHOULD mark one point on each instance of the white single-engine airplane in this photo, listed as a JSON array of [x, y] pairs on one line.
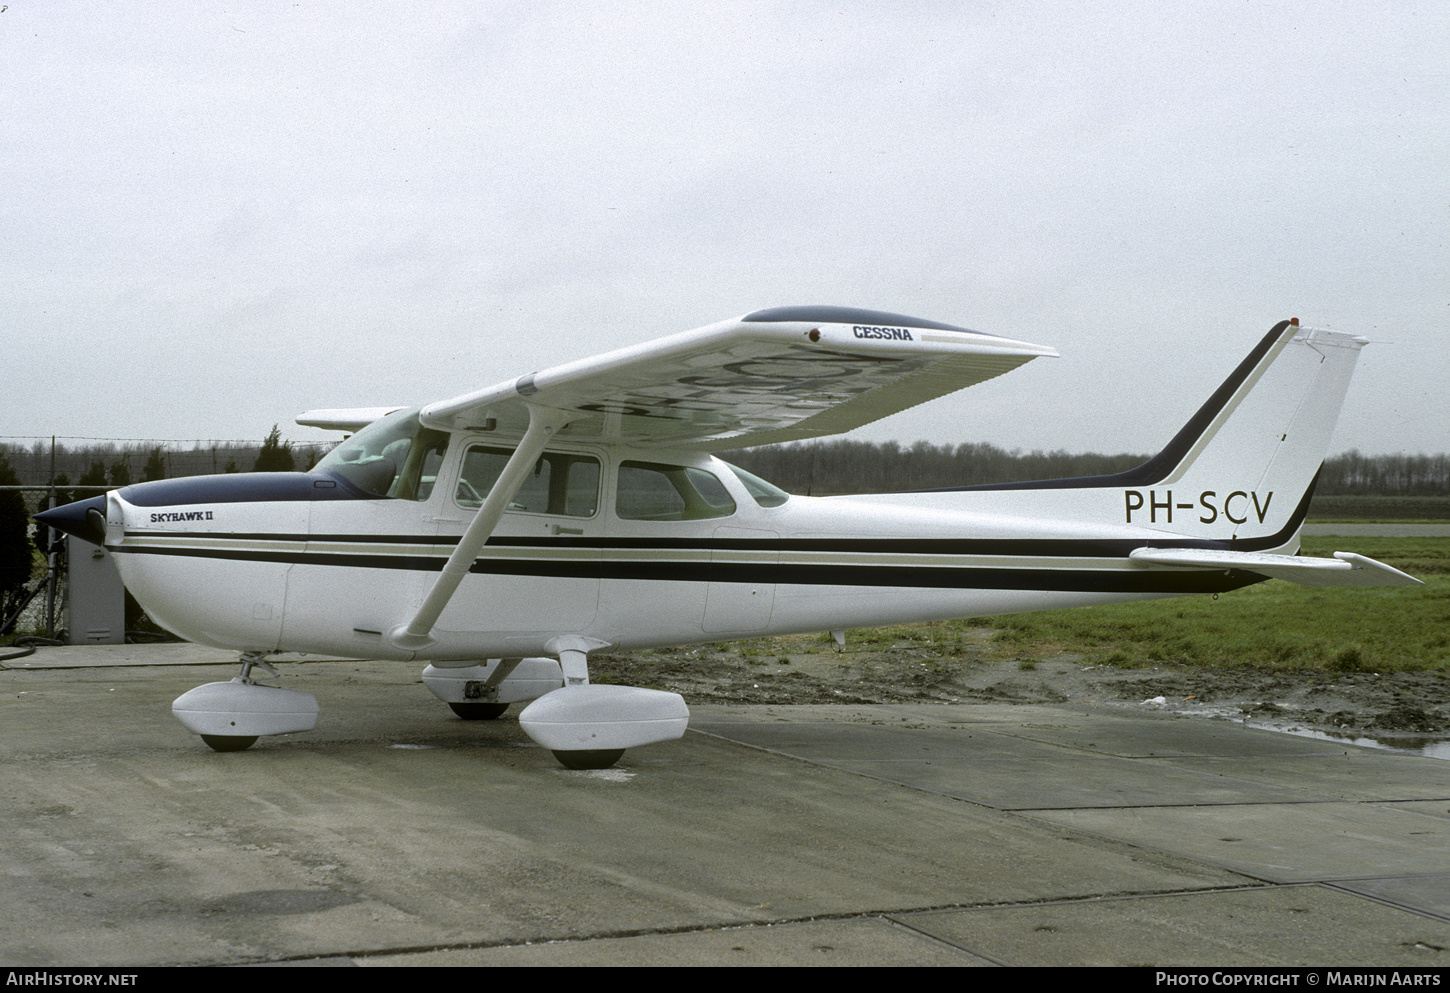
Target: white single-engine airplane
[[504, 535]]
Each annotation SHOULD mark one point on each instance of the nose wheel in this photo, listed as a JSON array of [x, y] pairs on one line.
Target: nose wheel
[[229, 742], [231, 716]]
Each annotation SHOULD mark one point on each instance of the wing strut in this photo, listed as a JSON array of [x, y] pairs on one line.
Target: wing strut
[[416, 634]]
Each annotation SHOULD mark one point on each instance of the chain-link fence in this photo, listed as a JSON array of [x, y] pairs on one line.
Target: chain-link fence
[[42, 616]]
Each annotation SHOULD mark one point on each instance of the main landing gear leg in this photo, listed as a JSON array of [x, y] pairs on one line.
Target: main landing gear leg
[[588, 726], [482, 703], [482, 690], [575, 664]]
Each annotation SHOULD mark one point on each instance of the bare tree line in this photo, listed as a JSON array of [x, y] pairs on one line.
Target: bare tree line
[[1386, 475], [837, 465], [119, 462], [843, 466]]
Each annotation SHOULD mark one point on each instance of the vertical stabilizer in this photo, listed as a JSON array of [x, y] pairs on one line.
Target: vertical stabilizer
[[1272, 434], [1242, 469], [1255, 459]]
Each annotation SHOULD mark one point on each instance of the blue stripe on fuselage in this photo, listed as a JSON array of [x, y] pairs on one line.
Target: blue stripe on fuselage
[[245, 487]]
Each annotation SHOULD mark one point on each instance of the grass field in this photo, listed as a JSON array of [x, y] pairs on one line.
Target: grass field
[[1273, 624], [1270, 625]]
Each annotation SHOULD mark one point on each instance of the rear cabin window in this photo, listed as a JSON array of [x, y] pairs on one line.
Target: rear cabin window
[[561, 483], [649, 491]]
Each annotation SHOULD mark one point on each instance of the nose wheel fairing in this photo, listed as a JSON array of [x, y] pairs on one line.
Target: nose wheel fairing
[[230, 716]]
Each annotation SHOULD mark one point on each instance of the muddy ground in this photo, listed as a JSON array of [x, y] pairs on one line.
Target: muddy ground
[[1409, 709]]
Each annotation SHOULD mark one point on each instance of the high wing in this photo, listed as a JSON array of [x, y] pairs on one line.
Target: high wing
[[770, 376], [773, 375]]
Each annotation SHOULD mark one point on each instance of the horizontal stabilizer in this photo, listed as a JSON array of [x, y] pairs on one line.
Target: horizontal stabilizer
[[1345, 569]]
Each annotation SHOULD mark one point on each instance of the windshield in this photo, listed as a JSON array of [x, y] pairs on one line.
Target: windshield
[[394, 456], [765, 494]]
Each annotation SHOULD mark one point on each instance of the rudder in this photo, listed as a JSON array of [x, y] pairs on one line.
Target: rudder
[[1255, 459], [1242, 468]]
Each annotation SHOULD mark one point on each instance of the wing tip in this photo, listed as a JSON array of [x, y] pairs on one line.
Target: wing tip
[[343, 418]]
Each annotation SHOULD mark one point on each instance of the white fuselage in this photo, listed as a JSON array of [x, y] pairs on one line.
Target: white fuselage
[[267, 567]]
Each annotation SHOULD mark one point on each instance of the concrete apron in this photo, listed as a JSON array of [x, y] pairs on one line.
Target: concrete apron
[[851, 835]]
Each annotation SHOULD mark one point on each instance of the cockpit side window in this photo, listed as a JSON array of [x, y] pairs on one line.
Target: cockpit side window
[[393, 457], [649, 491], [562, 483]]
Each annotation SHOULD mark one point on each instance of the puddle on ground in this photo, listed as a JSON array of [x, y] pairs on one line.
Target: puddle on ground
[[1435, 748], [1405, 744]]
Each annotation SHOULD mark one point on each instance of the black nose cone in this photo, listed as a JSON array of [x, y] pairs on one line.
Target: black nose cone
[[84, 519]]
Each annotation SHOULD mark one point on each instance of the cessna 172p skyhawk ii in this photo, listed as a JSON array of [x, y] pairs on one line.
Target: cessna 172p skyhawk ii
[[504, 535]]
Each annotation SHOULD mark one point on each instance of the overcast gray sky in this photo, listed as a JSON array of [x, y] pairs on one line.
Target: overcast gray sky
[[215, 216]]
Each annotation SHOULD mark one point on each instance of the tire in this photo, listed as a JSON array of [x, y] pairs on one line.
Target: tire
[[479, 711], [601, 758], [229, 742]]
